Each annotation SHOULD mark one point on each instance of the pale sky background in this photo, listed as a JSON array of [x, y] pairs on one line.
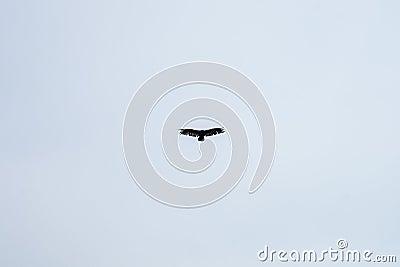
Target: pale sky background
[[329, 70]]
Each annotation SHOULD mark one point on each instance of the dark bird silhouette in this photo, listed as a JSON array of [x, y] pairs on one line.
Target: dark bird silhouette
[[201, 133]]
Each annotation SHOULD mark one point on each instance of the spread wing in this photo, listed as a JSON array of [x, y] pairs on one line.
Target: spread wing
[[189, 132], [214, 131]]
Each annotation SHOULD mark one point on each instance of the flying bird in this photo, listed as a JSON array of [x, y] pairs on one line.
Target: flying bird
[[200, 134]]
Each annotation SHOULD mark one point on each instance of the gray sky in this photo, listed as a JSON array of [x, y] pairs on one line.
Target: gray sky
[[329, 70]]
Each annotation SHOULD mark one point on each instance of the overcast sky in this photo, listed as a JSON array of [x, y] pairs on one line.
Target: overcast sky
[[68, 69]]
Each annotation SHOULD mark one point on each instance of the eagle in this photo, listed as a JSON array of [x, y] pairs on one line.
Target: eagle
[[200, 134]]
